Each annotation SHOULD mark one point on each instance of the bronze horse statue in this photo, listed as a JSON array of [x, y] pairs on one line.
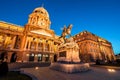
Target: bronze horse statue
[[66, 31]]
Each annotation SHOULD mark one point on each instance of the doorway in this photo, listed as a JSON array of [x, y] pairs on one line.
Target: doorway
[[3, 56], [13, 57], [39, 57], [55, 58], [31, 57]]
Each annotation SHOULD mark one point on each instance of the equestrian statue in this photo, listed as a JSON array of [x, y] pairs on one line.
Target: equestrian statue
[[66, 32]]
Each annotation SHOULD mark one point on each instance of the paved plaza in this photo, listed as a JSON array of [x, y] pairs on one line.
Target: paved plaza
[[96, 73]]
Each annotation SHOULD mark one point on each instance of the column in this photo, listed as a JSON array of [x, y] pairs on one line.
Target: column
[[43, 58], [43, 45], [36, 58], [9, 56], [27, 56], [52, 46], [37, 44], [6, 42], [26, 43], [51, 58], [13, 42], [49, 46], [24, 57], [23, 42], [29, 45]]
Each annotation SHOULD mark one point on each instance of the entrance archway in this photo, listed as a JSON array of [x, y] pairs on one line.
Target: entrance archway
[[39, 57], [55, 58], [3, 56], [31, 57], [13, 57], [46, 58]]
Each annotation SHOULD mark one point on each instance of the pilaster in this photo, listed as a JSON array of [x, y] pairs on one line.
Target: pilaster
[[13, 42], [36, 58]]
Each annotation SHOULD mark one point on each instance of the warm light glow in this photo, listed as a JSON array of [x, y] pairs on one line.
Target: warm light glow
[[35, 55], [27, 54], [36, 68], [39, 55], [32, 55], [11, 26], [111, 70]]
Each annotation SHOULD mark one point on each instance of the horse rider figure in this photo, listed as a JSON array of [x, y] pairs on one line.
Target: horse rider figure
[[66, 31]]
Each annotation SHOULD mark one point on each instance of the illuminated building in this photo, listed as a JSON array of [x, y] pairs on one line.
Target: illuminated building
[[93, 47], [33, 42], [37, 42]]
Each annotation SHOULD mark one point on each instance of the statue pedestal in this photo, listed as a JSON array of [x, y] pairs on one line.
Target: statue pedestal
[[69, 55], [69, 52], [68, 58], [70, 68]]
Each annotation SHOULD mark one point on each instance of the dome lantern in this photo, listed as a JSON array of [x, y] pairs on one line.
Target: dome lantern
[[41, 10]]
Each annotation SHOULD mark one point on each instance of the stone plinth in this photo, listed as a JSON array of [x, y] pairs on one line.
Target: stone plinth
[[69, 51], [70, 68]]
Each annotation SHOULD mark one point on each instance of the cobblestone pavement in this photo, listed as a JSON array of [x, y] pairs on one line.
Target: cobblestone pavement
[[96, 73]]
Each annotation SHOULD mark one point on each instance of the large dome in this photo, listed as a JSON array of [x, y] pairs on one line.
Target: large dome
[[41, 10]]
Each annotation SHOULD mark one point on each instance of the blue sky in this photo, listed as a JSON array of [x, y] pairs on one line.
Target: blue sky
[[101, 17]]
